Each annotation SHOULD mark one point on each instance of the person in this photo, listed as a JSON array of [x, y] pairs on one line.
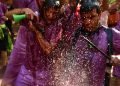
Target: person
[[8, 15], [115, 74], [115, 78], [24, 10], [113, 22], [81, 64], [29, 62], [3, 36], [71, 19]]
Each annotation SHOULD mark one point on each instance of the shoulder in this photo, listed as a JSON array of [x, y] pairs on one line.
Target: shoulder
[[111, 31], [17, 3], [3, 6], [116, 38], [116, 32]]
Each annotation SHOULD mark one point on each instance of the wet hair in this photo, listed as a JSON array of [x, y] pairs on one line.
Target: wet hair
[[86, 7], [52, 3], [49, 4], [77, 1]]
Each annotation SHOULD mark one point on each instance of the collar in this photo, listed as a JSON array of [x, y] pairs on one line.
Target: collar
[[87, 33]]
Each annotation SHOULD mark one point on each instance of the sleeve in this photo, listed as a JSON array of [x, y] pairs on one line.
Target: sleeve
[[116, 41], [32, 5], [26, 4], [56, 34], [118, 26], [4, 8], [16, 58], [116, 48]]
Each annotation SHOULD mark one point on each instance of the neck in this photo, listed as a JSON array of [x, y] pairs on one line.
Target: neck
[[87, 33]]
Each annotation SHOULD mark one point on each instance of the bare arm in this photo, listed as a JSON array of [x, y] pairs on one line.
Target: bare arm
[[30, 14], [14, 11], [46, 46]]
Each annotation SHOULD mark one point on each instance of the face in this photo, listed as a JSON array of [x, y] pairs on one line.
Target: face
[[90, 20], [100, 1], [51, 14], [73, 4]]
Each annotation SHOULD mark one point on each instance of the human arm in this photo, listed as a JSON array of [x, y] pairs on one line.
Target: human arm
[[47, 46], [27, 11], [28, 7]]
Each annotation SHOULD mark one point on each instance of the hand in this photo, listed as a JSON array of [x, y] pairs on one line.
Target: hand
[[62, 10], [31, 26], [5, 18], [116, 60], [29, 13]]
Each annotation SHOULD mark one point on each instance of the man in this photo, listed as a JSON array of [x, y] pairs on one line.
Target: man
[[83, 64], [71, 19], [29, 65]]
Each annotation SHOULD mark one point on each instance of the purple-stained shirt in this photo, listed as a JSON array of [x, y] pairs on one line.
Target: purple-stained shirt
[[28, 64], [16, 58], [83, 65], [118, 26], [116, 69], [71, 22], [3, 9], [25, 4], [19, 51]]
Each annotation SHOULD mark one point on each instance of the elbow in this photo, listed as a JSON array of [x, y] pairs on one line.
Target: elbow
[[8, 16], [48, 50]]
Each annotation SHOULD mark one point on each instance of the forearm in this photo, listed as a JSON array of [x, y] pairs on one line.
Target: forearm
[[46, 46], [9, 14]]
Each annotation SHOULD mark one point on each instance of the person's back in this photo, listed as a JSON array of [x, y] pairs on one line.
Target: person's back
[[18, 54]]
